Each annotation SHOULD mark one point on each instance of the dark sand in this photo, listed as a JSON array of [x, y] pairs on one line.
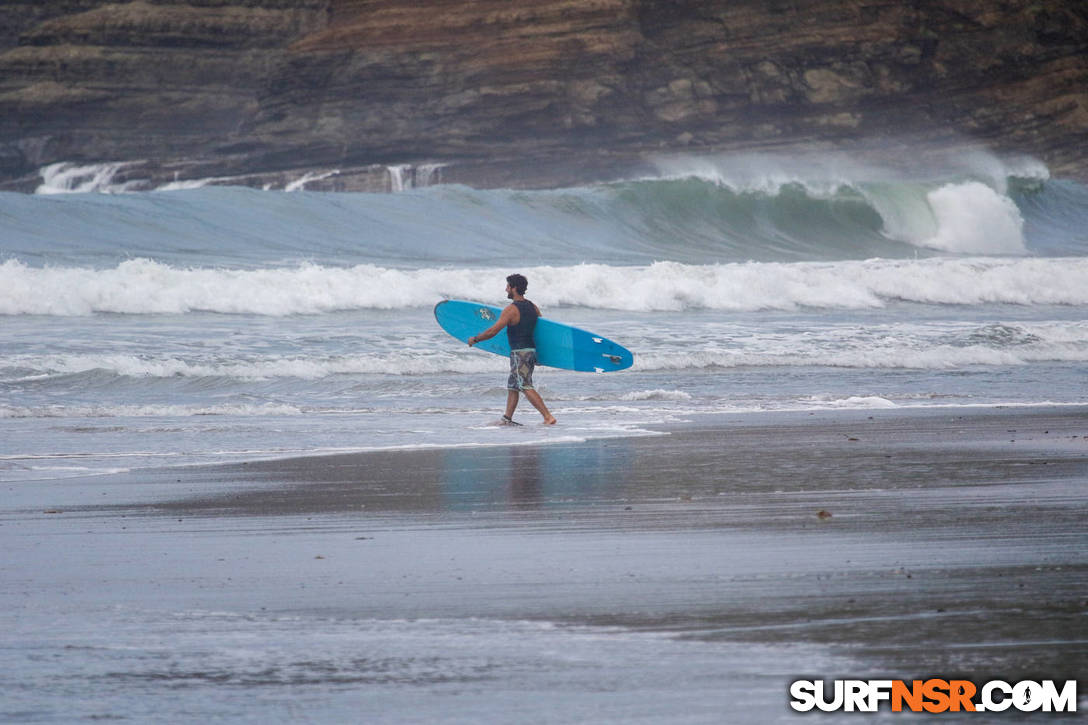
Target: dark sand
[[914, 544]]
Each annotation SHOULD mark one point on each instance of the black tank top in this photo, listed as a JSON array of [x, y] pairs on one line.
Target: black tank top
[[521, 334]]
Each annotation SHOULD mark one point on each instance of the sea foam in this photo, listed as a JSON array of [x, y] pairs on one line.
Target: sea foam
[[968, 213], [68, 178], [972, 218], [143, 286], [899, 348], [145, 411], [302, 368]]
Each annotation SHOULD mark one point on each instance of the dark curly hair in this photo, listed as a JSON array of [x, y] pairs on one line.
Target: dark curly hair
[[518, 282]]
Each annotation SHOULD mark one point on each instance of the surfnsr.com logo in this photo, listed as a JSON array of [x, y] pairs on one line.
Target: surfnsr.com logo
[[933, 696]]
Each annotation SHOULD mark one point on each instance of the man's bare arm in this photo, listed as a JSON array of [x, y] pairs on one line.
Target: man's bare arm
[[506, 318]]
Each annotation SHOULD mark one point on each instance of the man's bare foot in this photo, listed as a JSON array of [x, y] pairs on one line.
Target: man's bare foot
[[550, 420]]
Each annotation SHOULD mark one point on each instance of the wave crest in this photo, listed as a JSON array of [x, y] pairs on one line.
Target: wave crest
[[142, 286], [701, 211]]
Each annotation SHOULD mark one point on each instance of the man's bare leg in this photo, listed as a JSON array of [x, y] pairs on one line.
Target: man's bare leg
[[538, 403], [511, 404]]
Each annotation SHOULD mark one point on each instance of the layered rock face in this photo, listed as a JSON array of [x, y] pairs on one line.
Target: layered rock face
[[527, 92]]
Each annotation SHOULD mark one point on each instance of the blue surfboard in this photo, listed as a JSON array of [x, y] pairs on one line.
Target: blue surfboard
[[557, 345]]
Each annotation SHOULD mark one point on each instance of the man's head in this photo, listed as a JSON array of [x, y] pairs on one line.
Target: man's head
[[517, 283]]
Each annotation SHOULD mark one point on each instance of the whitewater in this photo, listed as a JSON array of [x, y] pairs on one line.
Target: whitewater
[[214, 323]]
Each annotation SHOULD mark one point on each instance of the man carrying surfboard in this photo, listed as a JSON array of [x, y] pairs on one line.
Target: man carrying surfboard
[[519, 318]]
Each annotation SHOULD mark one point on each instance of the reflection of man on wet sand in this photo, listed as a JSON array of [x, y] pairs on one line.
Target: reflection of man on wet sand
[[519, 319]]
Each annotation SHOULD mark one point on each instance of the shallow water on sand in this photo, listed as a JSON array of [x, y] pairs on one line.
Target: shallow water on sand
[[690, 579]]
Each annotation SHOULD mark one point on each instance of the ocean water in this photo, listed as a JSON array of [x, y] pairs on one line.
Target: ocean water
[[211, 324]]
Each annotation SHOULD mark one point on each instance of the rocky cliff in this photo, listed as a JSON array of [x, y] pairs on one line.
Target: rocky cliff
[[524, 92]]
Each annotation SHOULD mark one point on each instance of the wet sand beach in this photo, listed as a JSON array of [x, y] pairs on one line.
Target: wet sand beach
[[687, 576]]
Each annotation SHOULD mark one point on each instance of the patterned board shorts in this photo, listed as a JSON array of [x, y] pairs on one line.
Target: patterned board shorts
[[522, 363]]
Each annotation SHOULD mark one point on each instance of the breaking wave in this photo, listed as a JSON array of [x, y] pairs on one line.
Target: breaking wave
[[695, 211], [143, 286]]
